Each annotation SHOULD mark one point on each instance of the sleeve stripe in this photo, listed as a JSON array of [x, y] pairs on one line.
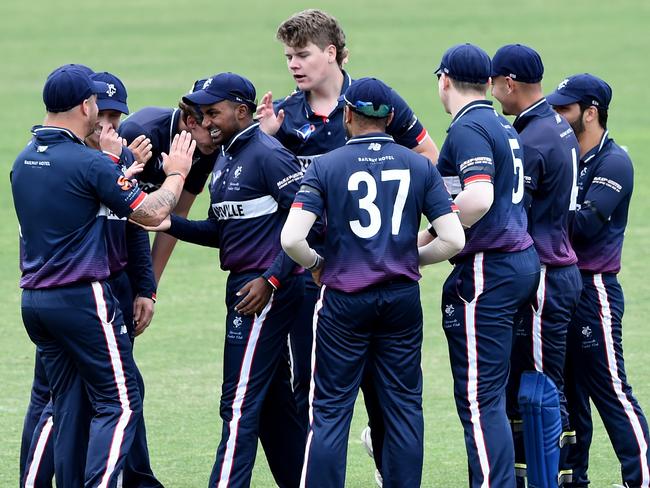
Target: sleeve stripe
[[475, 178], [274, 282], [422, 136], [136, 203], [454, 208], [296, 205]]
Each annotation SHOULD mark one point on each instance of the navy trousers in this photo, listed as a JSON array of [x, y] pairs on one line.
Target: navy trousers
[[256, 398], [379, 330], [595, 370], [82, 339], [479, 301], [540, 344], [37, 455]]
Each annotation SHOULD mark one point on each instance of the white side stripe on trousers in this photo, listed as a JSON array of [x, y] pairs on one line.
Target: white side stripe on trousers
[[120, 383], [240, 395], [606, 321], [38, 453], [472, 370], [538, 355], [312, 387]]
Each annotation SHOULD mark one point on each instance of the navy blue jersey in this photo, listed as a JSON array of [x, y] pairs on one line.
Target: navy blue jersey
[[160, 125], [372, 193], [551, 154], [481, 145], [308, 134], [128, 245], [253, 185], [604, 191], [62, 192]]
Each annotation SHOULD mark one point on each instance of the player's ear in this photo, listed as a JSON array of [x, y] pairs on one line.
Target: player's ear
[[331, 53]]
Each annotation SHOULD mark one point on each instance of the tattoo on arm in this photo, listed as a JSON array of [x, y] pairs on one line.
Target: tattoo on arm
[[155, 207]]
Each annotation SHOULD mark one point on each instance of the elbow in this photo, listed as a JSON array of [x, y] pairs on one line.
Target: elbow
[[457, 242], [287, 241]]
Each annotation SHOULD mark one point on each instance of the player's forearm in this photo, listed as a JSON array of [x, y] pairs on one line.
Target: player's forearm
[[428, 149], [294, 237], [158, 205], [450, 240], [474, 202]]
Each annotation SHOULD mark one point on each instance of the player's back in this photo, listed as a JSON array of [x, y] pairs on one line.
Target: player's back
[[374, 192], [551, 154], [482, 146]]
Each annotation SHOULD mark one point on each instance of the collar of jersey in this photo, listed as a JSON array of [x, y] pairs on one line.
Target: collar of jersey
[[240, 139], [347, 81], [53, 133], [540, 107], [374, 137], [469, 107], [591, 154]]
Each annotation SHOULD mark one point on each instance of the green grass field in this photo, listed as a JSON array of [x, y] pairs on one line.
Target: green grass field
[[159, 47]]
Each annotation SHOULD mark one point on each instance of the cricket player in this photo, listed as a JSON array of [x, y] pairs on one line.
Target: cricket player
[[253, 185], [498, 270], [595, 367], [129, 262], [373, 193], [64, 263], [550, 162], [160, 125], [309, 122]]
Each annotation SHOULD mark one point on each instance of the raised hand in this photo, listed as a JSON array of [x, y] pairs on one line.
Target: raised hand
[[110, 141], [269, 121], [141, 149], [179, 159]]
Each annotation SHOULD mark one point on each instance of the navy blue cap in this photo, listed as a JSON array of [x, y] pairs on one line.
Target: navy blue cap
[[583, 88], [369, 97], [224, 86], [114, 98], [81, 67], [197, 85], [466, 62], [519, 62], [67, 87]]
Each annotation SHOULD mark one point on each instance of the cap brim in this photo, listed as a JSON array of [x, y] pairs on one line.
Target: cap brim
[[202, 97], [108, 104], [559, 99], [438, 70], [99, 87]]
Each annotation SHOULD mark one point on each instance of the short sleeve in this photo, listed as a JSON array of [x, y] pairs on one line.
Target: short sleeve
[[311, 196], [437, 200], [113, 189], [611, 183], [405, 127], [472, 154], [282, 173]]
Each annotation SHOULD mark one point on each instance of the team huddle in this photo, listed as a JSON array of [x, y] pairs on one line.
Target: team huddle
[[316, 203]]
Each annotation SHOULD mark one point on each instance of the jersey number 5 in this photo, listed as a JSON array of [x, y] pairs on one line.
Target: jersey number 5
[[367, 203], [518, 190]]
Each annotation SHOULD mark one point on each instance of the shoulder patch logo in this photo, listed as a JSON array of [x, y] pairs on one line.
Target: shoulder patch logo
[[124, 183]]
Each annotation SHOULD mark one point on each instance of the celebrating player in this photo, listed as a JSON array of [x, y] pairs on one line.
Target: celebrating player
[[309, 122], [160, 125], [253, 184], [595, 368], [497, 271], [69, 311], [550, 160], [369, 316]]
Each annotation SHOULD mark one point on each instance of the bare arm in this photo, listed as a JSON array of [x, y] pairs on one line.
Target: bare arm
[[428, 149], [164, 244], [158, 205], [450, 240], [474, 202]]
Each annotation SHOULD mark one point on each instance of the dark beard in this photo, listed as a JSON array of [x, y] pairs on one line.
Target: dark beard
[[578, 126]]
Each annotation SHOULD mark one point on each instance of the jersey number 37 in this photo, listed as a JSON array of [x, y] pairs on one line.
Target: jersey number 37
[[367, 203]]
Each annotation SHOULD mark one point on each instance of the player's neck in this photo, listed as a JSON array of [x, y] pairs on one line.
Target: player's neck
[[324, 97], [458, 102], [528, 100], [78, 127], [590, 138]]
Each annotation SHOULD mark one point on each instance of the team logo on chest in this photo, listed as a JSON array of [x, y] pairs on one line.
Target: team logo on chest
[[237, 172], [305, 131]]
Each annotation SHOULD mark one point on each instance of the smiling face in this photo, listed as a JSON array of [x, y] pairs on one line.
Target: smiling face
[[310, 65], [222, 120]]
